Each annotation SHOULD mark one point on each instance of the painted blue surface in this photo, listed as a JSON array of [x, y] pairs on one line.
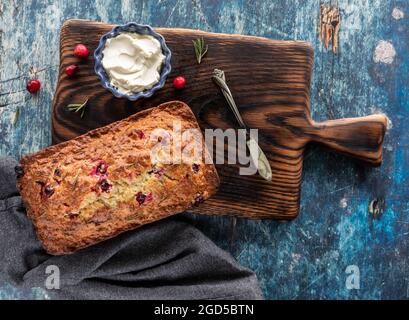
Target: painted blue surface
[[305, 258]]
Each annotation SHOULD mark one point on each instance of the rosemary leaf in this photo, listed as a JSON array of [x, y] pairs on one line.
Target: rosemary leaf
[[200, 49], [196, 52], [76, 107], [16, 116]]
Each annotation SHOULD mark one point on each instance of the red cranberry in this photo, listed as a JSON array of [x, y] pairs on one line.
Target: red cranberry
[[48, 191], [73, 215], [81, 51], [19, 171], [158, 172], [195, 167], [143, 198], [140, 198], [139, 133], [179, 82], [71, 70], [33, 86], [100, 169], [105, 185]]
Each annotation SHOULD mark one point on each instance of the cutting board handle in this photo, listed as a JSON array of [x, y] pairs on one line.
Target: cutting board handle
[[360, 138]]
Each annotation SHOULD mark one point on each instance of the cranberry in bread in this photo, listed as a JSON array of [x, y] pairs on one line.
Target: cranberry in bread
[[105, 182]]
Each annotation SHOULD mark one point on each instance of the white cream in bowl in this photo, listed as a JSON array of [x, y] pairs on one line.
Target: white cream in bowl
[[133, 61]]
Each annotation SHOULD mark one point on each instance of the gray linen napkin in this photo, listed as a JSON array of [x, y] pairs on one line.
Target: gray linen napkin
[[169, 259]]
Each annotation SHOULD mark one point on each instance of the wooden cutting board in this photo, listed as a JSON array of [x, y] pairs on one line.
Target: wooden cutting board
[[270, 81]]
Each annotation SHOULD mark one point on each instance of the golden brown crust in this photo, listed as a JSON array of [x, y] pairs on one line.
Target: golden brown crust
[[100, 184]]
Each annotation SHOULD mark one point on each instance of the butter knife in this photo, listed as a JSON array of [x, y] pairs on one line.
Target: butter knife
[[257, 155]]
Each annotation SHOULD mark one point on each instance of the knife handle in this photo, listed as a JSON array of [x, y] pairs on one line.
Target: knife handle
[[360, 138]]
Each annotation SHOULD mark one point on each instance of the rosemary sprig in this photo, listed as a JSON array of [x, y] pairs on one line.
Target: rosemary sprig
[[16, 116], [76, 107], [200, 49]]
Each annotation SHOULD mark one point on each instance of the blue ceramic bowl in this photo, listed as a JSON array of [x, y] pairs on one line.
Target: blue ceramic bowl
[[141, 29]]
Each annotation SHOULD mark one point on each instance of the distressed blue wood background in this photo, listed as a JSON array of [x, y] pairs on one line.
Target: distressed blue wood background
[[306, 258]]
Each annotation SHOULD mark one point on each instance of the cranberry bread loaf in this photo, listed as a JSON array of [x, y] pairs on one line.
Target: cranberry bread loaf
[[100, 184]]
